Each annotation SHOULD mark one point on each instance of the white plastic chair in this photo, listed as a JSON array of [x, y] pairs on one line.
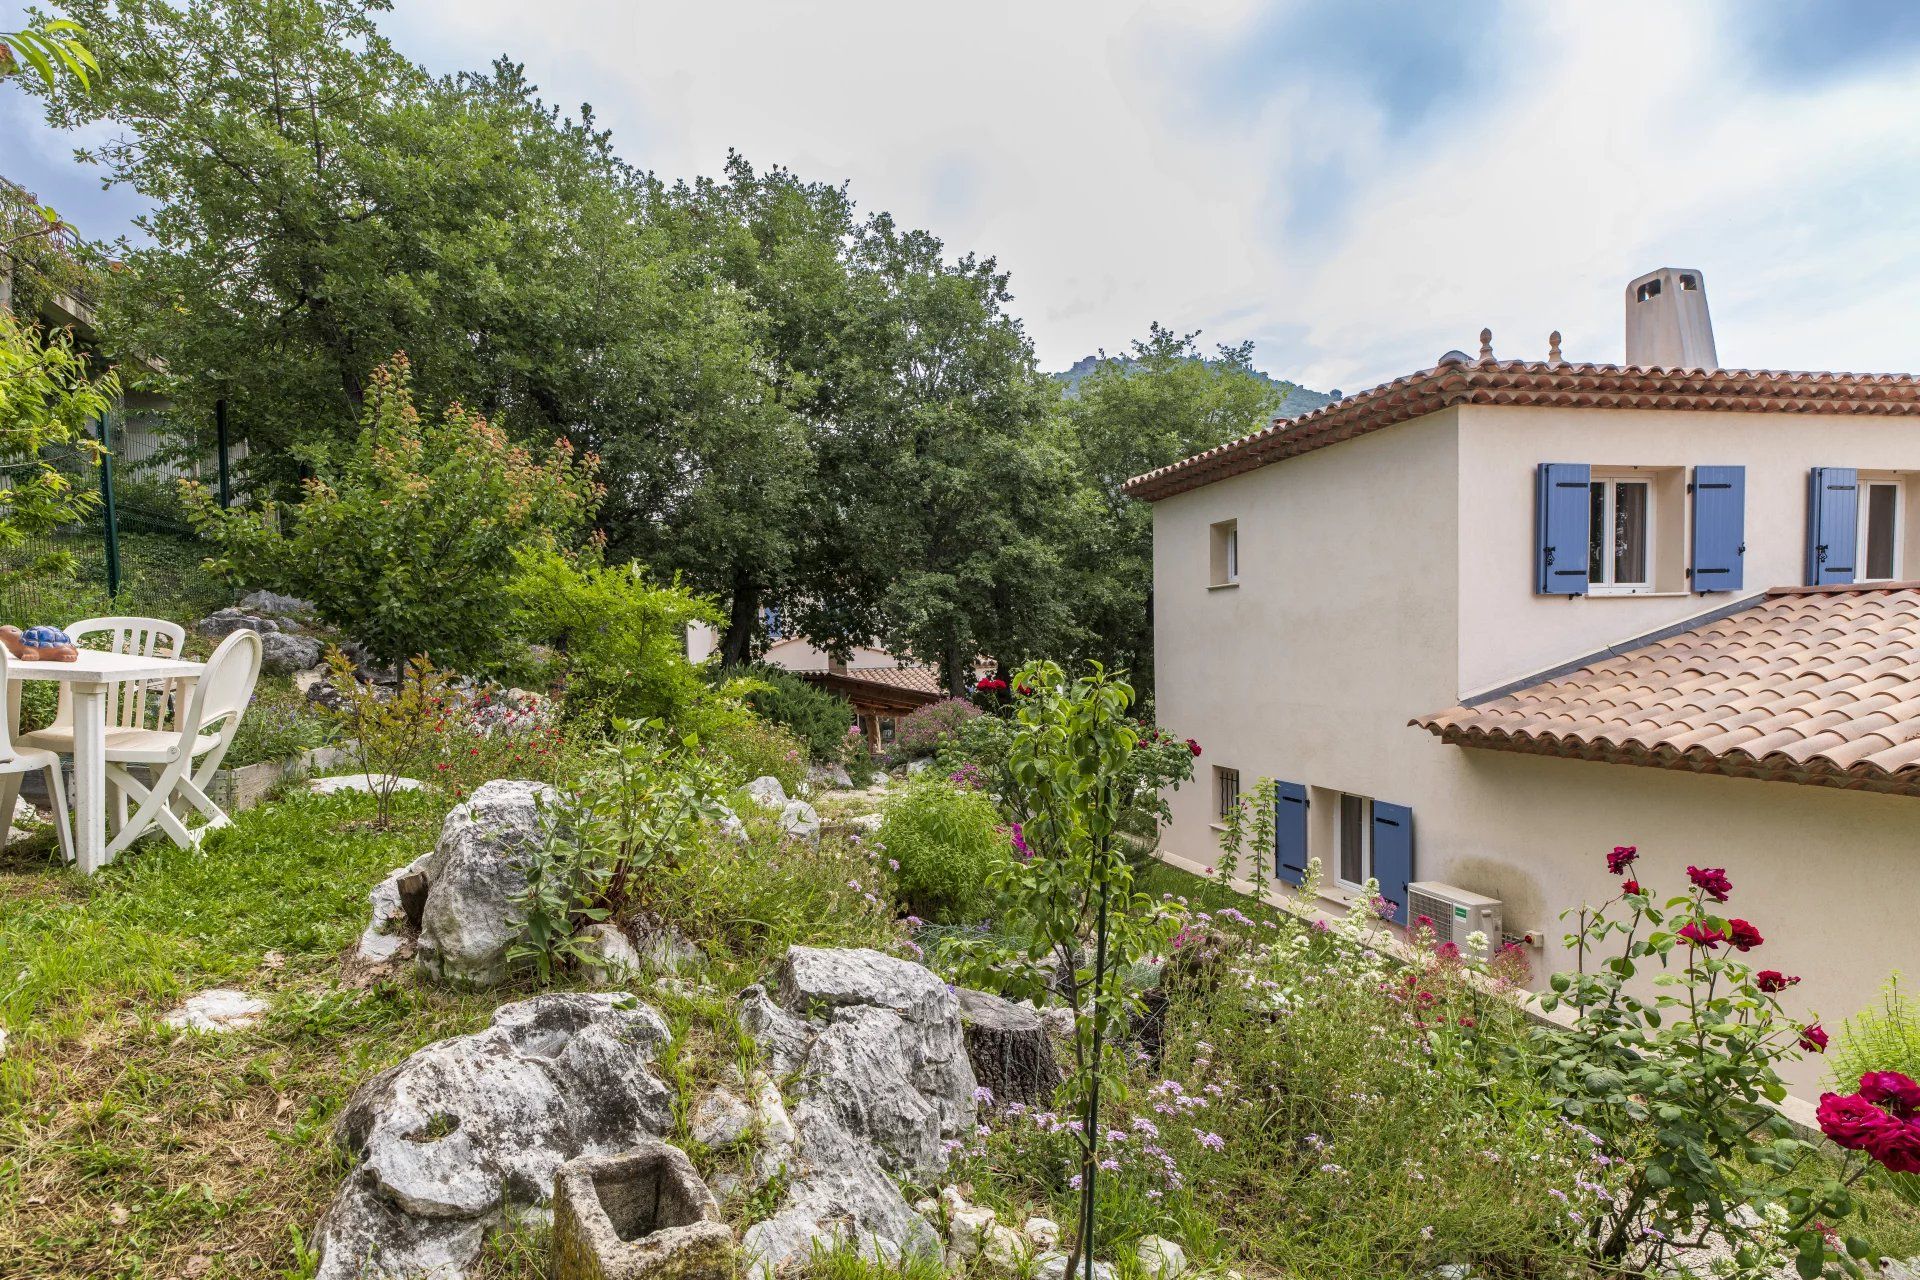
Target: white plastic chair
[[147, 637], [24, 760], [203, 731], [132, 699]]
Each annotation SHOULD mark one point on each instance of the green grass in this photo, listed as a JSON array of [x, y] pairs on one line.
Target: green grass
[[128, 1149]]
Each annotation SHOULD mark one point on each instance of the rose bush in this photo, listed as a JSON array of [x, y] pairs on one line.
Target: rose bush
[[1678, 1089]]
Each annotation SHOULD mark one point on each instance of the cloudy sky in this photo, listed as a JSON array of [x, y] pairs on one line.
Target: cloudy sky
[[1354, 186]]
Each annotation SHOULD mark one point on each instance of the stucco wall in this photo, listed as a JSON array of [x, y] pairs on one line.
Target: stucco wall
[[1344, 618], [1374, 588], [1508, 633]]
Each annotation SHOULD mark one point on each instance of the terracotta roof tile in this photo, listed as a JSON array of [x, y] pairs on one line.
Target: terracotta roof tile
[[919, 679], [1522, 382], [1815, 685]]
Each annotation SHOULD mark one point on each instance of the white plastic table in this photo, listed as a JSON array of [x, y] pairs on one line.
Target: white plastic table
[[91, 677]]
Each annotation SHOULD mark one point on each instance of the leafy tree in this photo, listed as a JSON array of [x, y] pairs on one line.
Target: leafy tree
[[322, 202], [941, 541], [48, 401], [1130, 417], [408, 542]]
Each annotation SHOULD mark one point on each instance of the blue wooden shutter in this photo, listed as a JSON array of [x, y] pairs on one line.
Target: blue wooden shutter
[[1560, 528], [1393, 854], [1833, 516], [1290, 831], [1719, 528]]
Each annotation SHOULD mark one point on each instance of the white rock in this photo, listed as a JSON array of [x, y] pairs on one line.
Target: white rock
[[967, 1230], [221, 1009], [830, 775], [800, 822], [1160, 1258], [868, 822], [893, 1045], [918, 766], [283, 654], [271, 604], [607, 956], [368, 782], [386, 932], [1003, 1249], [766, 790], [1043, 1232], [473, 876], [720, 1119], [470, 1131], [1453, 1271], [925, 1206]]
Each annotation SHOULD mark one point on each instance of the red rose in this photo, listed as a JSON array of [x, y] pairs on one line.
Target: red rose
[[1896, 1145], [1630, 886], [1712, 880], [1193, 746], [991, 686], [1622, 856], [1772, 980], [1702, 936], [1025, 691], [1849, 1119], [1897, 1093], [1743, 936], [1813, 1038]]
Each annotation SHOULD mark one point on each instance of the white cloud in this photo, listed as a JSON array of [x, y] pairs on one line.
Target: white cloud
[[1096, 150]]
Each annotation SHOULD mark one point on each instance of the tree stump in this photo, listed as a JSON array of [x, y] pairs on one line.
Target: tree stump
[[1008, 1046]]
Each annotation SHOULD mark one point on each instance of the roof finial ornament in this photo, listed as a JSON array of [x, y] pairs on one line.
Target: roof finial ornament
[[1553, 348], [1486, 346]]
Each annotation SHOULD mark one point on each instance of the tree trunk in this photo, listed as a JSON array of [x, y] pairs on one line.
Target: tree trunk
[[1008, 1046], [737, 645]]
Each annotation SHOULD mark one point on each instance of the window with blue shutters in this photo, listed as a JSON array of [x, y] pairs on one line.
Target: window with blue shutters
[[1719, 528], [1290, 832], [1393, 854], [1833, 518], [1562, 533]]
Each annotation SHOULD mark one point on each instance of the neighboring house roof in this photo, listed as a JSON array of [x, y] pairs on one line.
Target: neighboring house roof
[[1805, 684], [900, 688], [1521, 382]]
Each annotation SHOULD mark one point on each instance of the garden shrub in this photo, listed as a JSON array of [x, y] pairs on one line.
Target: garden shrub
[[749, 747], [921, 733], [817, 717], [1677, 1092], [945, 840], [407, 541], [619, 636], [47, 410]]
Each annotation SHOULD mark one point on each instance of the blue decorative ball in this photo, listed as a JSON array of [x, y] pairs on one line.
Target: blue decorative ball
[[44, 637]]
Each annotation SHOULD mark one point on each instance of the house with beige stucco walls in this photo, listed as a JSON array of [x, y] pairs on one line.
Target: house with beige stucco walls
[[1484, 622]]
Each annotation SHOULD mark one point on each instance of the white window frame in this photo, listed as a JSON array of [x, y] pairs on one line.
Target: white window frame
[[1340, 839], [1613, 480], [1233, 553], [1899, 488]]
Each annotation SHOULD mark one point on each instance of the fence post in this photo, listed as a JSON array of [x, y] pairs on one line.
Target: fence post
[[106, 501], [220, 429]]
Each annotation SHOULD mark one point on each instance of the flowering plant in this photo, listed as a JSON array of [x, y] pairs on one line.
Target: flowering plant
[[1676, 1088]]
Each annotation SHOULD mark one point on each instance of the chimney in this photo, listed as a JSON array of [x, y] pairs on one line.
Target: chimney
[[1667, 322]]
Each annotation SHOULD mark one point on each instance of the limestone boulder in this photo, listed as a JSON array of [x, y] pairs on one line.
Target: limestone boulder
[[874, 1047], [283, 653], [271, 604], [767, 792], [473, 875], [470, 1130], [800, 822], [224, 622]]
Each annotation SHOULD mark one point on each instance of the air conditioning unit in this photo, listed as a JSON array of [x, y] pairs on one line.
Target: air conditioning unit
[[1456, 914]]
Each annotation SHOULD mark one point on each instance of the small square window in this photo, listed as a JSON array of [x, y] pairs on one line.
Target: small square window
[[1226, 789], [1224, 556]]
